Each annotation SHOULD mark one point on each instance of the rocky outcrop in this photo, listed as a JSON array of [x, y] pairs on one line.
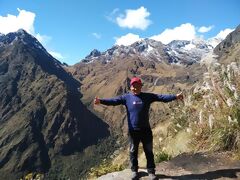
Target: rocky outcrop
[[228, 43], [189, 166]]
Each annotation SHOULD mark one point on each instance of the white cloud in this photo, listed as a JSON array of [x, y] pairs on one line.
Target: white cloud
[[112, 15], [205, 29], [214, 41], [11, 23], [223, 33], [134, 19], [127, 39], [97, 35], [25, 20], [183, 32], [43, 39], [56, 55]]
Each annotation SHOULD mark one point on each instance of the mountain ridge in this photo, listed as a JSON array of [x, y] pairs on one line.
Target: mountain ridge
[[176, 51], [42, 100]]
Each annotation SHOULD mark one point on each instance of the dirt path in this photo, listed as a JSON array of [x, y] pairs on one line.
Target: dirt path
[[189, 166]]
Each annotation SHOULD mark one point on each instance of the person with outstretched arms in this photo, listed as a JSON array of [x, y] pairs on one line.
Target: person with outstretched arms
[[137, 104]]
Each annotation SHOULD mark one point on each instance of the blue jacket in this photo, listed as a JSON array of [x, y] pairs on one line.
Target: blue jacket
[[138, 107]]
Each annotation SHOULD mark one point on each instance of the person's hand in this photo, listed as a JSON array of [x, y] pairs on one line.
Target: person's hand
[[96, 101], [179, 96]]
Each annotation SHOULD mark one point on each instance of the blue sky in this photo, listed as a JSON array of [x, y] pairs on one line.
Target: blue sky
[[71, 29]]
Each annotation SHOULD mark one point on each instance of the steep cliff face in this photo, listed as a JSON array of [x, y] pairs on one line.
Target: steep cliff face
[[229, 49], [41, 114]]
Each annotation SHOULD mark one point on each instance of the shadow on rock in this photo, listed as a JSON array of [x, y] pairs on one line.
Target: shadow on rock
[[223, 173]]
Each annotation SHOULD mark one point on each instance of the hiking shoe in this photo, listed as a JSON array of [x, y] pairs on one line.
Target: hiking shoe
[[152, 176], [134, 175]]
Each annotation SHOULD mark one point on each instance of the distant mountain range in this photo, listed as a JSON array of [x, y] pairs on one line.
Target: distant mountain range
[[178, 51]]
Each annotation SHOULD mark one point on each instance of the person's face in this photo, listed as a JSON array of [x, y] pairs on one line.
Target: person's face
[[136, 88]]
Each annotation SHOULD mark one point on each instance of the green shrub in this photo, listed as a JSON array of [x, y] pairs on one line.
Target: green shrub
[[235, 111], [162, 156], [230, 140], [197, 96], [105, 168], [35, 176], [229, 91]]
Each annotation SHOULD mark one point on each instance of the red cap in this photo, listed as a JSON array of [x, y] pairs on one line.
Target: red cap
[[136, 80]]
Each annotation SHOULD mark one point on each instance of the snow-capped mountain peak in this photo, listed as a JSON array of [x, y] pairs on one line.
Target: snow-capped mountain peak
[[177, 51], [20, 35], [188, 52]]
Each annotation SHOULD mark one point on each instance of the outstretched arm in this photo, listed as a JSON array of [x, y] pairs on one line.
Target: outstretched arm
[[111, 101], [167, 97]]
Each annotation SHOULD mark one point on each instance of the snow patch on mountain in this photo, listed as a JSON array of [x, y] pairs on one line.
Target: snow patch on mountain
[[189, 47]]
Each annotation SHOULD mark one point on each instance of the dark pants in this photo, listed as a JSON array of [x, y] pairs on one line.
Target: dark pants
[[144, 136]]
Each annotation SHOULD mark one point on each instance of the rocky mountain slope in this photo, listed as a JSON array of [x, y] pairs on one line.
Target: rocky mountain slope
[[41, 114], [231, 40]]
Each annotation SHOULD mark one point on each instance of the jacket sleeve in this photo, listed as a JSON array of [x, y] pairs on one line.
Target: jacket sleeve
[[163, 97], [113, 101]]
